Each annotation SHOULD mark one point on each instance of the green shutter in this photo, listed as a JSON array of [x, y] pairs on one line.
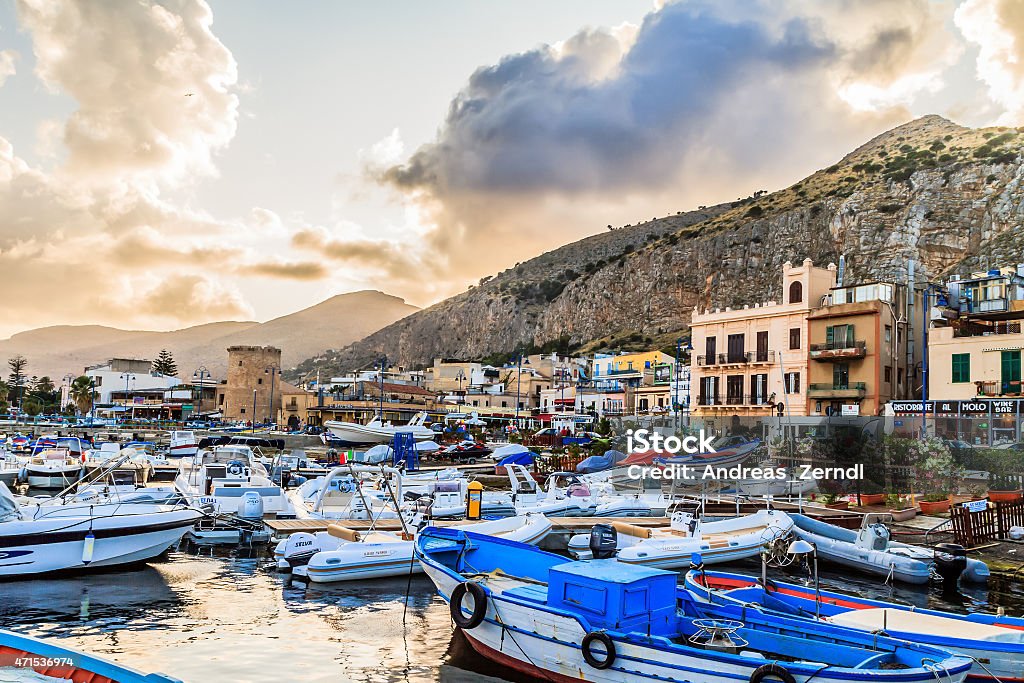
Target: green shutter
[[829, 335], [961, 367], [1010, 367], [849, 337]]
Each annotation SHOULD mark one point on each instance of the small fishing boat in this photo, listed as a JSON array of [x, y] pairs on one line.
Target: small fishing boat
[[464, 451], [22, 652], [48, 536], [871, 549], [350, 491], [994, 642], [11, 468], [601, 620], [672, 547], [347, 555], [377, 431]]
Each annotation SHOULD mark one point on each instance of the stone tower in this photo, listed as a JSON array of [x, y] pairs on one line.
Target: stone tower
[[252, 369]]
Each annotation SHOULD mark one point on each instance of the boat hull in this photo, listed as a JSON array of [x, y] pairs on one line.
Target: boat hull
[[555, 641], [47, 478], [57, 544]]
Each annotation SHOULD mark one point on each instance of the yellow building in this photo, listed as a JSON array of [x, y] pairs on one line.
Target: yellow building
[[966, 364], [858, 350], [754, 360]]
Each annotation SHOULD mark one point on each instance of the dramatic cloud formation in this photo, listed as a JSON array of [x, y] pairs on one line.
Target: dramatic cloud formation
[[705, 101], [702, 101]]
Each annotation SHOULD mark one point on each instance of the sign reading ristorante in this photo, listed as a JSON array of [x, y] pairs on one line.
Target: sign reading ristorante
[[980, 406]]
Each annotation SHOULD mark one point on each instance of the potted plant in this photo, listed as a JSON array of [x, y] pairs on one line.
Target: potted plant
[[833, 502], [939, 476], [900, 511], [1003, 489], [871, 495], [934, 504]]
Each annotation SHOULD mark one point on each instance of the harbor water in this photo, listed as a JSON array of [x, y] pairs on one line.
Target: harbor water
[[228, 616]]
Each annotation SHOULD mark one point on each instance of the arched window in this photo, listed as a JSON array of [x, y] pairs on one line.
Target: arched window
[[796, 293]]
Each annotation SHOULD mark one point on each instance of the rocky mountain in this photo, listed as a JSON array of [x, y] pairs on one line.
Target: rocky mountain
[[949, 197], [331, 324]]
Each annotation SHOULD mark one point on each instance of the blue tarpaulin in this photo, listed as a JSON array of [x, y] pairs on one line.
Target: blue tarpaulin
[[598, 463]]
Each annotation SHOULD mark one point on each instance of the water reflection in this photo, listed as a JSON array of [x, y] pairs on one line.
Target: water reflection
[[228, 616]]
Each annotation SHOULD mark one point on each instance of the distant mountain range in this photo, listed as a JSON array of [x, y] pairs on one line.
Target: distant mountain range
[[948, 197], [331, 324]]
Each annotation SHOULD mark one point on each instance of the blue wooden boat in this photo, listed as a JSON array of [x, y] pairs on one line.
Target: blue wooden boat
[[52, 660], [994, 642], [603, 620]]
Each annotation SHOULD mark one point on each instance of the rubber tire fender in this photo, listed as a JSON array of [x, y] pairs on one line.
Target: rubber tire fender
[[479, 605], [609, 648], [776, 670]]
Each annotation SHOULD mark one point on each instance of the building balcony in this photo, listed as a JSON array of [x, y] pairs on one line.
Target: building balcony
[[832, 390], [733, 401], [735, 358], [763, 357], [707, 360], [839, 351], [998, 388], [987, 330]]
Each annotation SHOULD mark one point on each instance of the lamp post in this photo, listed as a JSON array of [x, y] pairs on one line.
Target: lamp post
[[253, 420], [461, 378], [127, 377], [383, 364], [519, 379], [272, 369], [201, 374]]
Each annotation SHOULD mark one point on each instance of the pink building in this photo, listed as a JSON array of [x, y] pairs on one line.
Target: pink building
[[753, 361]]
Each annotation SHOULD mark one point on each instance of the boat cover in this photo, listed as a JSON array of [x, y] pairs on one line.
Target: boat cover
[[524, 458], [598, 463], [9, 508]]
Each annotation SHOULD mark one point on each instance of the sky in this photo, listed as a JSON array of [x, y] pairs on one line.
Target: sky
[[164, 164]]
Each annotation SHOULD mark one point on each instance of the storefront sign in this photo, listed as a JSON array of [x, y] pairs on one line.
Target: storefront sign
[[904, 407], [976, 505], [850, 411]]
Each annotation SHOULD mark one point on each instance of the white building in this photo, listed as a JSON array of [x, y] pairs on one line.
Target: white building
[[119, 379]]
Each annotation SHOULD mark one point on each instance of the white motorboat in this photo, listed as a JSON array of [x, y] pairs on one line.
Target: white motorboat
[[53, 468], [346, 555], [224, 475], [12, 470], [133, 462], [350, 491], [183, 445], [50, 536], [377, 431], [674, 546]]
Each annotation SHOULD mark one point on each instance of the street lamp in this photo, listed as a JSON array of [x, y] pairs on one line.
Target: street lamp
[[272, 369], [253, 420], [461, 377], [201, 374], [127, 377]]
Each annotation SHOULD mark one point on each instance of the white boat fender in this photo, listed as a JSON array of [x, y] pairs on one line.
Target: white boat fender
[[88, 547], [476, 617], [773, 670], [252, 506], [597, 661]]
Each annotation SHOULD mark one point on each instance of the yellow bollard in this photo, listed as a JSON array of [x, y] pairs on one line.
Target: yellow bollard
[[474, 500]]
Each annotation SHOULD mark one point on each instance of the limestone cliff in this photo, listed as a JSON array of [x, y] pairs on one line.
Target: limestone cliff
[[949, 197]]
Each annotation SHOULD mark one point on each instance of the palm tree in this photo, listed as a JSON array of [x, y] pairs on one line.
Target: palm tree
[[83, 389]]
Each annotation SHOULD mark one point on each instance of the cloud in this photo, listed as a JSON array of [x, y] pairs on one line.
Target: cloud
[[152, 83], [381, 255], [703, 102], [7, 68], [997, 28]]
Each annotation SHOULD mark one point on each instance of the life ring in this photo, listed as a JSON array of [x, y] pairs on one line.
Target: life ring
[[771, 670], [609, 650], [479, 605]]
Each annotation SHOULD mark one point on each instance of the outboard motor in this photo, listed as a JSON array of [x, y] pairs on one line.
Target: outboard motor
[[950, 563], [252, 506], [298, 548], [603, 541]]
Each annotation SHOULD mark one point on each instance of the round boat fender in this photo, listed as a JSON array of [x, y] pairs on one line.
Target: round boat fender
[[609, 650], [771, 671], [479, 605]]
